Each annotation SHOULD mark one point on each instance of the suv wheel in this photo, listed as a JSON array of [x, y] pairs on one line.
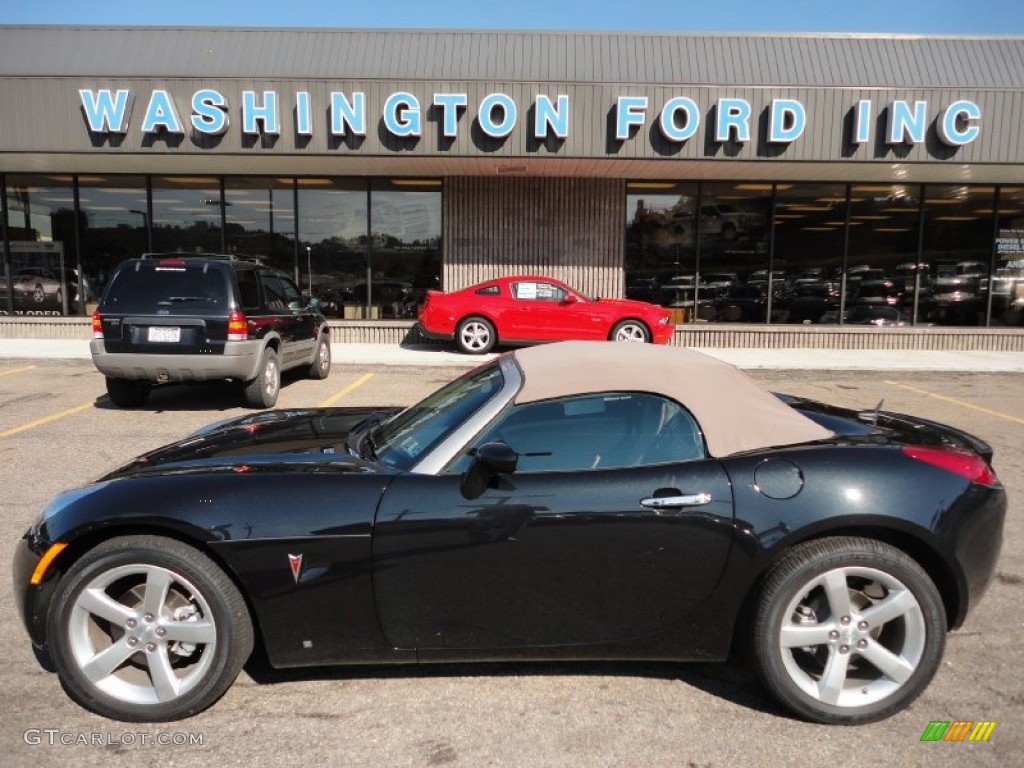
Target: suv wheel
[[127, 393], [321, 366], [262, 391]]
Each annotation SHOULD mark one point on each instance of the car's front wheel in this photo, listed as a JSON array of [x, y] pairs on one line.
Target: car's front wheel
[[630, 330], [146, 628], [475, 336], [262, 391], [848, 630], [128, 393], [321, 365]]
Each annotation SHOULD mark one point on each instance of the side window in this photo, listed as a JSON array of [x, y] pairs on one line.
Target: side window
[[292, 295], [603, 431], [273, 291], [488, 290], [534, 291], [248, 288]]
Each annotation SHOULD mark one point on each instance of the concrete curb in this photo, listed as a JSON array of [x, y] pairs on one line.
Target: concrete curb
[[769, 359]]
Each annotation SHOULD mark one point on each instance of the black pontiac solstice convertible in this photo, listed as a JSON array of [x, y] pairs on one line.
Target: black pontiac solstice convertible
[[570, 501]]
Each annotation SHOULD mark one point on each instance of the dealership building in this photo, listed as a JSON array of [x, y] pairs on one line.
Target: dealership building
[[797, 184]]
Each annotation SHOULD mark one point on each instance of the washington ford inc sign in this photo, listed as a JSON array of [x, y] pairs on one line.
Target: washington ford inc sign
[[678, 119]]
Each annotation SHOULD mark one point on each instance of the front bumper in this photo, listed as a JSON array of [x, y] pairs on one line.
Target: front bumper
[[32, 601], [239, 361]]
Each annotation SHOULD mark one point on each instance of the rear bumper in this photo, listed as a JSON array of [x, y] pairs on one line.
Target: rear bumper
[[240, 361], [433, 334]]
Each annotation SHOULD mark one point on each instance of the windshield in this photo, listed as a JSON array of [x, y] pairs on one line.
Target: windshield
[[180, 288], [420, 427]]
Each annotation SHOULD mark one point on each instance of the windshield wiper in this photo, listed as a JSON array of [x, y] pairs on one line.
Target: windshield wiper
[[361, 436]]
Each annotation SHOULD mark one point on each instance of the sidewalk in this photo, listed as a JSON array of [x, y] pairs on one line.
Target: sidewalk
[[749, 358]]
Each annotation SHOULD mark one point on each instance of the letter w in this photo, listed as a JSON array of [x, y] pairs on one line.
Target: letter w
[[935, 731], [104, 111]]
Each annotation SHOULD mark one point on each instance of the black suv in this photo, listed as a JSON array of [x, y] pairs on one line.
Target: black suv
[[181, 317]]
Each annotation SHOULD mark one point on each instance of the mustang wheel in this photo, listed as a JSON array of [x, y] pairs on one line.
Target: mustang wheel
[[630, 330], [848, 630], [475, 336], [144, 628], [321, 366], [262, 391], [128, 393]]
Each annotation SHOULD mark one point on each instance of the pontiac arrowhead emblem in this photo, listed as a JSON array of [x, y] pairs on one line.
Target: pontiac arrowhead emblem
[[295, 562]]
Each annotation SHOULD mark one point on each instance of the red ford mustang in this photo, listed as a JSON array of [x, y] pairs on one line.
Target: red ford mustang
[[528, 308]]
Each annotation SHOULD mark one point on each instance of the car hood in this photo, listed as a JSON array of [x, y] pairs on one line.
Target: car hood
[[269, 438]]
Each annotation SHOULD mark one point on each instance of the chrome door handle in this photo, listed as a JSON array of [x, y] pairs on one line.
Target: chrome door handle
[[673, 502]]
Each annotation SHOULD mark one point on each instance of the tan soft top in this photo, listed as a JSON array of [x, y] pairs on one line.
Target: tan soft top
[[735, 414]]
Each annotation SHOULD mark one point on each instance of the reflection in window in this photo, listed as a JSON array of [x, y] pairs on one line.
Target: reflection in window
[[113, 221], [186, 214], [405, 244], [661, 242], [809, 234], [41, 232], [1008, 280], [333, 243], [952, 276], [260, 220]]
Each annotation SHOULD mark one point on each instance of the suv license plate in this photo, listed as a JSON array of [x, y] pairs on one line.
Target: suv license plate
[[164, 334]]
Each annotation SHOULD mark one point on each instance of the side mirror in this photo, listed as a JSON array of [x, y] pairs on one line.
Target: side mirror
[[313, 302], [570, 299], [491, 460]]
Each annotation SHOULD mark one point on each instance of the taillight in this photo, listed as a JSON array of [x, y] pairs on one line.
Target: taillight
[[964, 463], [238, 327], [97, 325]]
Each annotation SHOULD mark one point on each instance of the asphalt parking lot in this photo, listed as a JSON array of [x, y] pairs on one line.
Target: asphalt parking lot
[[58, 430]]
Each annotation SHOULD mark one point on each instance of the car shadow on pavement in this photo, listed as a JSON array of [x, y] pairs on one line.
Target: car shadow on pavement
[[731, 680], [196, 396]]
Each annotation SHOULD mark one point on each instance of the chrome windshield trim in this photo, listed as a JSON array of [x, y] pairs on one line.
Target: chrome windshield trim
[[449, 448]]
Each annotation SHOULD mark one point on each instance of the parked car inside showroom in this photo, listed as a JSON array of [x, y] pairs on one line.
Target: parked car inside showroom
[[573, 501], [529, 308]]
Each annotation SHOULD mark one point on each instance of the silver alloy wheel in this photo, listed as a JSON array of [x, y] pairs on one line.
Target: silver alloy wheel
[[271, 378], [38, 295], [475, 336], [852, 637], [629, 331], [323, 356], [142, 634]]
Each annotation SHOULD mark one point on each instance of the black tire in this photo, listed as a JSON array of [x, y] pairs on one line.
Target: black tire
[[320, 368], [128, 393], [846, 606], [178, 620], [475, 335], [630, 330], [262, 391]]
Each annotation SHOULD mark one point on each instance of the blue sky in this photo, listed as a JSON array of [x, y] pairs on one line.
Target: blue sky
[[952, 17]]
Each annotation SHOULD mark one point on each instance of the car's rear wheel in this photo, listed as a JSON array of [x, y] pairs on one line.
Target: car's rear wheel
[[475, 335], [630, 330], [262, 391], [321, 365], [848, 630], [128, 393], [145, 628]]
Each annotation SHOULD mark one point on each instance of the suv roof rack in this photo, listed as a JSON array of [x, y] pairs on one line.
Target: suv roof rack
[[206, 256]]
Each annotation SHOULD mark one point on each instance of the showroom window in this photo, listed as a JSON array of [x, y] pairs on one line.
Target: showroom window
[[187, 214], [1008, 279], [259, 216], [42, 234]]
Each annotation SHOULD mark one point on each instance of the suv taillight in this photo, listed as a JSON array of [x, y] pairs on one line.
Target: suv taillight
[[97, 325], [964, 463], [238, 327]]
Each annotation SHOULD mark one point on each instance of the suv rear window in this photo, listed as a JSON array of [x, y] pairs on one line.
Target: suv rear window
[[142, 287]]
